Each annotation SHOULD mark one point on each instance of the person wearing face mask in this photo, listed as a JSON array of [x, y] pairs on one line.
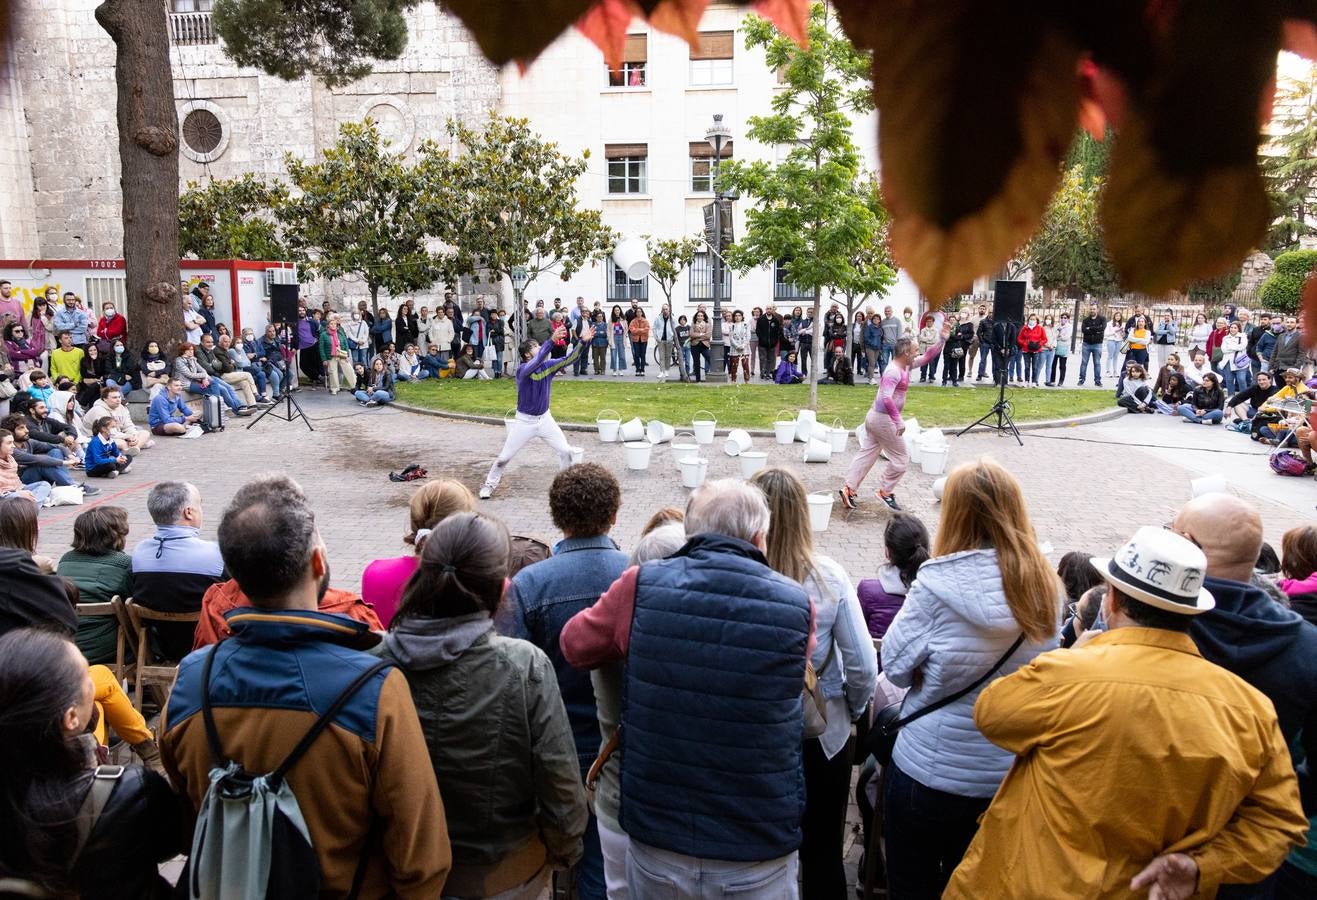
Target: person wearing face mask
[[154, 368], [1288, 350], [1031, 340], [121, 367], [358, 332], [111, 327]]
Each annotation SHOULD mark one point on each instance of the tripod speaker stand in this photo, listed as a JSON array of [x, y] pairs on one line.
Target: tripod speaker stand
[[283, 313], [1007, 314], [292, 409], [1001, 411]]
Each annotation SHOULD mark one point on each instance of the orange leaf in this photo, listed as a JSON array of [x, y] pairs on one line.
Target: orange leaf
[[790, 16], [1102, 99], [606, 24], [680, 17]]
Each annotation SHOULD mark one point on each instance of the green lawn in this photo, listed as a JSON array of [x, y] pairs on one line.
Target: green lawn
[[748, 406]]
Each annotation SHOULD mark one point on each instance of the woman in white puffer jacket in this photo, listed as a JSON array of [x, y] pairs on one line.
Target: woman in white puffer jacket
[[987, 586]]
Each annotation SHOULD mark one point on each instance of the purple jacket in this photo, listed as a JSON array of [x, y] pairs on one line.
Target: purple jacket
[[881, 599]]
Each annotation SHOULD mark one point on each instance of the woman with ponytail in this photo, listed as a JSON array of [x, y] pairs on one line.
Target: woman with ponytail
[[493, 718], [48, 834], [907, 544]]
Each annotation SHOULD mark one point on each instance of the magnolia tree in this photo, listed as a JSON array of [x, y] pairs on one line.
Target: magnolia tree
[[234, 218], [668, 258]]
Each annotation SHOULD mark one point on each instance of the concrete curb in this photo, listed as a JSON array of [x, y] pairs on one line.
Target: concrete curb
[[1105, 415]]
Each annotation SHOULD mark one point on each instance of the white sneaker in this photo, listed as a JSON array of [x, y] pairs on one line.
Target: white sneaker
[[486, 492]]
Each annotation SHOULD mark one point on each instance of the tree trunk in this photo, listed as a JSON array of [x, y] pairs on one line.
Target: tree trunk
[[148, 165], [816, 350], [374, 300]]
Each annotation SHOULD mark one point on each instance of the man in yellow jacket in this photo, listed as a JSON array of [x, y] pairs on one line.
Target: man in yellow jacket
[[1140, 766]]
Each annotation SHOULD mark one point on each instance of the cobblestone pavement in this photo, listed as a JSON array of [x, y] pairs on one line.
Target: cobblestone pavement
[[1088, 487]]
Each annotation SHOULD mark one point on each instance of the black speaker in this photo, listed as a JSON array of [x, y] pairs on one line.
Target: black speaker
[[283, 304], [1008, 302]]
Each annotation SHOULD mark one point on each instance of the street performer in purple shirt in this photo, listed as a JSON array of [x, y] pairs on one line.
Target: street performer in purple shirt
[[534, 378]]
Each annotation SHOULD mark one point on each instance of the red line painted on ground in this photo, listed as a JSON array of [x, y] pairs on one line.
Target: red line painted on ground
[[74, 511]]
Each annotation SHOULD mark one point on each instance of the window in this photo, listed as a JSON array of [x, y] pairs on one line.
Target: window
[[97, 290], [634, 61], [187, 6], [628, 166], [783, 289], [701, 279], [619, 287], [711, 60], [701, 156]]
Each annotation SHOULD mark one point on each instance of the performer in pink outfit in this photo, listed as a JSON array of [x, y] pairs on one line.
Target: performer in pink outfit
[[883, 424]]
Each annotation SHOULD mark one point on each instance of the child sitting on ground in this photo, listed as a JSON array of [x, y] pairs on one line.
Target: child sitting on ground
[[787, 373], [104, 459]]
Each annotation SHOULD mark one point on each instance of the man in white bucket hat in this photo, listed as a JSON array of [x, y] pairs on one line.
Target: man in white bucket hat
[[1140, 767]]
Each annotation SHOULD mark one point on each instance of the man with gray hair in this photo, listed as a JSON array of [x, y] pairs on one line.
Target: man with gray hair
[[714, 642], [173, 568]]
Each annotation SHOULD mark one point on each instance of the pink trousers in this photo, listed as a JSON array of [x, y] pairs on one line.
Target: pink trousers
[[882, 436]]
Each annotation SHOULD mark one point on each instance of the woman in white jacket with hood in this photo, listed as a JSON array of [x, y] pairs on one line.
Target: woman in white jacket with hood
[[986, 587]]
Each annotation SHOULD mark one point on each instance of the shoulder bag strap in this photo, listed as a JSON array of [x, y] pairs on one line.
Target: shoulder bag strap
[[207, 716], [952, 698], [325, 720], [93, 804]]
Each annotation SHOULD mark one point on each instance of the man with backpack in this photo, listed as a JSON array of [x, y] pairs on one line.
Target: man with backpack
[[299, 755]]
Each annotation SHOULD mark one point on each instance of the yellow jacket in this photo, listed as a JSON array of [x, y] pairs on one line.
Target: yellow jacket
[[1127, 748]]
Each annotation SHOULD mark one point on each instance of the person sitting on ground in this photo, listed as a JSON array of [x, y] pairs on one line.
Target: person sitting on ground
[[1299, 564], [168, 415], [506, 766], [1194, 373], [154, 368], [906, 542], [215, 360], [199, 381], [1171, 367], [173, 568], [42, 426], [222, 598], [10, 484], [787, 373], [47, 704], [469, 367], [366, 789], [374, 387], [101, 571], [838, 368], [104, 458], [410, 365], [1204, 404], [1172, 395], [40, 461], [125, 432], [383, 580], [1135, 392], [1244, 405], [66, 359], [1201, 757], [39, 386]]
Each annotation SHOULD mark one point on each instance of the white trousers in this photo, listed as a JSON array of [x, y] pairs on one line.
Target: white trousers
[[521, 432], [613, 845]]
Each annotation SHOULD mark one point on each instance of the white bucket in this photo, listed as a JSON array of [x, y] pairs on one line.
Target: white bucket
[[938, 487], [1208, 484], [693, 469], [703, 425], [659, 432], [632, 256], [632, 430], [838, 437], [578, 454], [752, 461], [805, 420], [912, 447], [861, 436], [738, 441], [784, 428], [818, 451], [933, 451], [608, 425], [682, 449], [820, 510], [820, 432], [637, 454]]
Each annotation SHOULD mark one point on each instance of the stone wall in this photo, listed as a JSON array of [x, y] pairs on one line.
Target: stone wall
[[18, 230], [1254, 271]]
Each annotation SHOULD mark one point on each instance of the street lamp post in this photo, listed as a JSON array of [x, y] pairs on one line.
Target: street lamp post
[[717, 135], [520, 278]]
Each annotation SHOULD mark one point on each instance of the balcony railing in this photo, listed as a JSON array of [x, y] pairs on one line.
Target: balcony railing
[[187, 28]]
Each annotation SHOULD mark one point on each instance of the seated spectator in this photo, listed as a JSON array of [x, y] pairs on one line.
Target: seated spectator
[[243, 373], [1277, 414], [168, 415], [101, 571], [250, 356], [216, 363], [1172, 395], [1193, 373], [104, 457], [1083, 614], [121, 369], [907, 544], [173, 568], [411, 367], [222, 598], [66, 359], [47, 703], [838, 368], [787, 373], [1135, 392], [199, 381], [384, 579], [374, 387], [1171, 367], [469, 366], [91, 376], [272, 351], [1204, 406], [23, 353], [506, 766], [125, 432], [39, 461], [154, 368], [10, 484], [28, 595], [1299, 563], [1078, 577], [39, 386], [1244, 405], [42, 426], [365, 787]]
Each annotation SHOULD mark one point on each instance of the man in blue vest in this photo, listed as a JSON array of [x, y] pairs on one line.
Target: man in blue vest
[[583, 500], [714, 643]]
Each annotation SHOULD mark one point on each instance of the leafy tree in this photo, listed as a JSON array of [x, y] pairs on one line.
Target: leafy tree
[[1289, 164], [335, 40], [231, 219], [668, 258], [1067, 253], [871, 272], [360, 211], [806, 209], [506, 198], [1284, 286]]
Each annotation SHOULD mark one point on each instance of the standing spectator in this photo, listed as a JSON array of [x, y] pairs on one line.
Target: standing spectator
[[906, 541], [11, 308], [173, 568], [975, 345], [664, 333], [738, 347], [684, 341], [1199, 334], [618, 328], [1214, 351], [847, 671], [584, 500], [366, 790], [1031, 340], [755, 315], [891, 332], [102, 571], [168, 415], [1043, 371], [953, 353], [41, 322], [476, 333], [986, 604], [498, 341], [382, 331], [1203, 762], [71, 317], [358, 332], [700, 332], [1288, 352], [506, 764], [1164, 337], [442, 334], [1060, 338], [639, 332], [871, 339], [599, 343], [111, 327], [983, 333], [1113, 337], [768, 332], [335, 355], [750, 658], [1236, 367], [406, 326]]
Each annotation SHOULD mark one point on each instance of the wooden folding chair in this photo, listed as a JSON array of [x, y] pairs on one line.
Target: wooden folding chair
[[148, 670], [110, 611]]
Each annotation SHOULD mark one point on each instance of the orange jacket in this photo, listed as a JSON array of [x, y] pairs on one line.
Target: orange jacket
[[226, 595]]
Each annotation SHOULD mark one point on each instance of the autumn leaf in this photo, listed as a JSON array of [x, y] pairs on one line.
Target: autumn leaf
[[516, 29], [790, 16], [679, 17], [606, 24]]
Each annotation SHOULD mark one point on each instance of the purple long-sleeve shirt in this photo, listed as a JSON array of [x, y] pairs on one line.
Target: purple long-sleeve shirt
[[535, 376]]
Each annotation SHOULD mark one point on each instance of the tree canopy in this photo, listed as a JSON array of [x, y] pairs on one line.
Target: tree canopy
[[1067, 253], [232, 218], [1289, 162], [1284, 286]]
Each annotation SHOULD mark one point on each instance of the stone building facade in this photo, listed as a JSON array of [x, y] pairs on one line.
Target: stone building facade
[[59, 165]]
